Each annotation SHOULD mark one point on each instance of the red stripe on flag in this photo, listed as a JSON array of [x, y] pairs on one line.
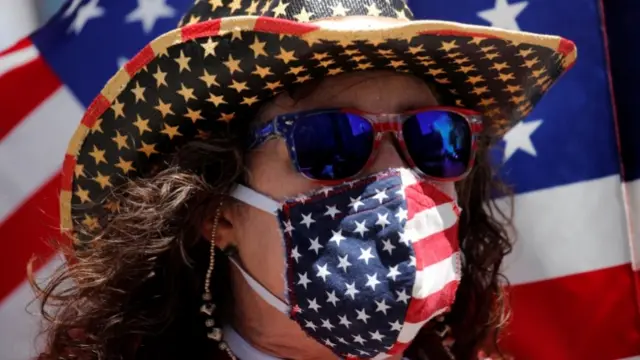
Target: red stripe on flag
[[421, 309], [584, 316], [436, 247], [26, 233], [423, 196], [22, 44], [19, 94]]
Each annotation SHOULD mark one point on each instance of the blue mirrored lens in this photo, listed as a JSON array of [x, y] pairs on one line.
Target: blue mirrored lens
[[439, 143], [331, 145]]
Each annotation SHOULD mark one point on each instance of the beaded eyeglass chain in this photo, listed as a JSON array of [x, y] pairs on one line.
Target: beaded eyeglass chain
[[208, 307]]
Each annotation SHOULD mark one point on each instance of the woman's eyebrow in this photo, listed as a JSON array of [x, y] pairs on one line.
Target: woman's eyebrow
[[414, 105]]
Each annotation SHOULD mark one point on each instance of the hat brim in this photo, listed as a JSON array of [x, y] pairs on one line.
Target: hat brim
[[203, 78]]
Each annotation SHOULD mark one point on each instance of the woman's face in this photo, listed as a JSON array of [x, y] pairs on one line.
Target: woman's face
[[255, 233]]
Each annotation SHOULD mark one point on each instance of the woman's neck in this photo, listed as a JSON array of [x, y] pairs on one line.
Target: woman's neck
[[269, 330]]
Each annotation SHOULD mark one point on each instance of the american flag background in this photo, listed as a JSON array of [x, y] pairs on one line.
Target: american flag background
[[574, 163]]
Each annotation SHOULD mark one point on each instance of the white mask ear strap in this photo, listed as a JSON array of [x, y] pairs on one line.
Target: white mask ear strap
[[255, 199], [265, 294]]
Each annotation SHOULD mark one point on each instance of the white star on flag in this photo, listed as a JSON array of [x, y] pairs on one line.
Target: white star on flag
[[503, 15], [519, 138], [88, 11], [122, 61], [72, 8], [149, 11]]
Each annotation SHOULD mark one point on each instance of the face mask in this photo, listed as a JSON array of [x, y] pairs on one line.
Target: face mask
[[369, 262]]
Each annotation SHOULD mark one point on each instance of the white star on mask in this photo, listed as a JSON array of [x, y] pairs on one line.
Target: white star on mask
[[372, 281], [337, 237], [323, 272], [380, 195], [365, 255], [361, 227], [307, 220], [382, 220], [344, 262], [332, 298], [393, 272], [332, 211], [315, 245], [356, 203]]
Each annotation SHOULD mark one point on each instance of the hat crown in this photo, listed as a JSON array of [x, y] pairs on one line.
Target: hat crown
[[296, 10]]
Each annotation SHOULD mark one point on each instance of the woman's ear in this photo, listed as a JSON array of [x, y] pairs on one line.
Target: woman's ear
[[218, 224]]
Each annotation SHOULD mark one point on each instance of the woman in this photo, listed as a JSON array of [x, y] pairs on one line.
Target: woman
[[296, 186]]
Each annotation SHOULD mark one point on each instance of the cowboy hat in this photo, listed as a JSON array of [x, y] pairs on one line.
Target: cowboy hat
[[230, 56]]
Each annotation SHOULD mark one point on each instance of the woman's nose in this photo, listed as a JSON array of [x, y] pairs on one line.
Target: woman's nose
[[388, 156]]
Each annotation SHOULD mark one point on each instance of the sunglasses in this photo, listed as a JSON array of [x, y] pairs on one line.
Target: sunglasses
[[338, 144]]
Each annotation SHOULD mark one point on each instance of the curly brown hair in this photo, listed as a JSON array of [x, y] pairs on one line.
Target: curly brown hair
[[135, 294]]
